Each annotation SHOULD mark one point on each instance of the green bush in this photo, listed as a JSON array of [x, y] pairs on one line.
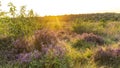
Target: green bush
[[88, 27], [22, 27]]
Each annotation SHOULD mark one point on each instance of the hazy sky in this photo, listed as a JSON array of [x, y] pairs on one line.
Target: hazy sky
[[57, 7]]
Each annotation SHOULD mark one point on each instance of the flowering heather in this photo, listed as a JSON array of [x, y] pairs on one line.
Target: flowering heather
[[108, 56], [56, 51], [41, 38], [36, 54], [27, 57], [45, 38], [92, 38], [24, 44]]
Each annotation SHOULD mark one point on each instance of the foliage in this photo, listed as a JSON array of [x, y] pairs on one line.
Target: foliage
[[87, 27], [81, 44], [12, 9], [92, 38], [107, 57], [22, 27], [66, 41]]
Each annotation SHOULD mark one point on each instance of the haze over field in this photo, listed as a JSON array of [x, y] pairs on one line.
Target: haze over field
[[58, 7]]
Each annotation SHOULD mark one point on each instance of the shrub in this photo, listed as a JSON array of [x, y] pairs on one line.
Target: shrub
[[92, 38], [20, 27], [27, 57], [107, 57], [88, 41], [45, 38], [41, 38], [58, 56], [88, 27], [4, 29], [49, 56], [66, 35], [24, 44], [53, 52], [82, 44], [4, 42]]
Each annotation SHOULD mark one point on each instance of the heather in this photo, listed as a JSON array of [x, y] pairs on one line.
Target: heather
[[66, 41], [109, 57]]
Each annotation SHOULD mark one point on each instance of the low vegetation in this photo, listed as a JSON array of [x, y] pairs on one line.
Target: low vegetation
[[68, 41]]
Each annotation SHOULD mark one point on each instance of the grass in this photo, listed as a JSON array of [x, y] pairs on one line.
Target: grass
[[53, 42]]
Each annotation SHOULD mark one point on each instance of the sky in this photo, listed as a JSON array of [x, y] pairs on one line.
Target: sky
[[61, 7]]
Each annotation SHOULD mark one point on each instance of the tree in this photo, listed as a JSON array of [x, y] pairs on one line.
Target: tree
[[12, 9], [31, 13], [22, 11]]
